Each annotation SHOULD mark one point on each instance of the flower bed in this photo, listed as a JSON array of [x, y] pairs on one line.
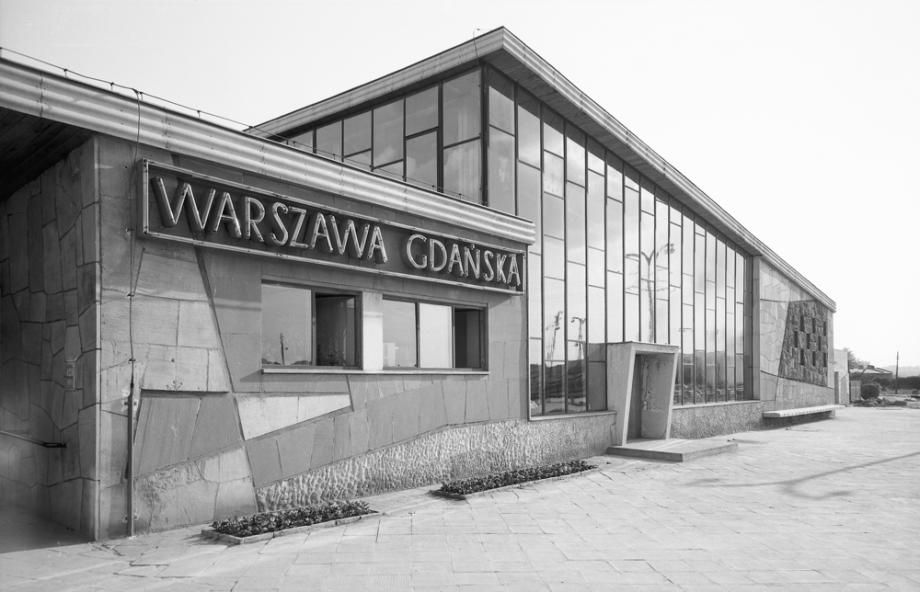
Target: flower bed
[[270, 522], [463, 487]]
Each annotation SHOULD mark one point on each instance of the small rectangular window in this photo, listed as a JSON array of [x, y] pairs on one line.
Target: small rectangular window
[[303, 327], [433, 336]]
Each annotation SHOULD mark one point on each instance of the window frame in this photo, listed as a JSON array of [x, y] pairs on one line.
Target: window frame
[[314, 292], [483, 337]]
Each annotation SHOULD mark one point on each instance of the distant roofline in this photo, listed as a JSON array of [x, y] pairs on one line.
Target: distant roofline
[[506, 52]]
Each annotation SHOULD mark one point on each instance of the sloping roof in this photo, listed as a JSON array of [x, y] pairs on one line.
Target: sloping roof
[[514, 58], [45, 108]]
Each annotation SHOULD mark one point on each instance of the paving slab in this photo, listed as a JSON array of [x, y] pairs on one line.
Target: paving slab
[[833, 505]]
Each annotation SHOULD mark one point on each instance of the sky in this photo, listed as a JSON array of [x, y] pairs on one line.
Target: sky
[[800, 118]]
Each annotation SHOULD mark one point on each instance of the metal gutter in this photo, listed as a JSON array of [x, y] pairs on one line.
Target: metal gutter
[[48, 96], [503, 42]]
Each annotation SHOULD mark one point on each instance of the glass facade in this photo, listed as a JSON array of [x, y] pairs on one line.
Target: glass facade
[[431, 138], [616, 258]]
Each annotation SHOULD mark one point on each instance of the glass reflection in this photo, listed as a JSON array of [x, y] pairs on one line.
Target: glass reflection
[[553, 170], [614, 178], [595, 210], [357, 135], [535, 354], [286, 325], [399, 336], [597, 308], [461, 108], [388, 133], [329, 140], [422, 111], [553, 387], [461, 171], [614, 235], [614, 307], [501, 171], [577, 301], [552, 132], [647, 197], [575, 223], [528, 131], [501, 102], [553, 257], [575, 157], [528, 200], [554, 319], [596, 162], [596, 267], [435, 324], [576, 371], [631, 317], [421, 160], [553, 216]]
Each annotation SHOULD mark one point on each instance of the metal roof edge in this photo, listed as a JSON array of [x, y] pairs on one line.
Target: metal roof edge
[[49, 96]]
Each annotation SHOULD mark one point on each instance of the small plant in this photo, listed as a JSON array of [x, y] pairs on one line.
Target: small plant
[[477, 484], [244, 526]]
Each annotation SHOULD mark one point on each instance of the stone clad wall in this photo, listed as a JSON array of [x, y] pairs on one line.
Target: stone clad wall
[[214, 433], [784, 381], [49, 264]]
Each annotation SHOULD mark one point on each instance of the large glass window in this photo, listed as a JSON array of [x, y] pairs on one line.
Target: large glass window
[[303, 327], [615, 259]]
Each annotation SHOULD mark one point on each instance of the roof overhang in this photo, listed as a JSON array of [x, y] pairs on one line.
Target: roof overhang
[[514, 58], [62, 103]]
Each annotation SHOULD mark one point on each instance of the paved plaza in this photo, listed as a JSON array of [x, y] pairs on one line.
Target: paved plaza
[[831, 505]]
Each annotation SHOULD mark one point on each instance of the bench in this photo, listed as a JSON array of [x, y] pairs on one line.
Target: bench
[[800, 411]]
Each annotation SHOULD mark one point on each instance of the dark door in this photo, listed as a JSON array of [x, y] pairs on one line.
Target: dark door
[[640, 376]]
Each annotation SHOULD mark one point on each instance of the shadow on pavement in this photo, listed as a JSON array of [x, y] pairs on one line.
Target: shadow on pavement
[[791, 485]]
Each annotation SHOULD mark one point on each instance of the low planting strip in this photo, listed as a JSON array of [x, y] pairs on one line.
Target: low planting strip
[[267, 525], [461, 489]]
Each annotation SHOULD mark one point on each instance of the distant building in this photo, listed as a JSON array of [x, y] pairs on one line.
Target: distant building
[[464, 266]]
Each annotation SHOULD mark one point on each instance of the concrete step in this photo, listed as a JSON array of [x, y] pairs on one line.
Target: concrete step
[[672, 450]]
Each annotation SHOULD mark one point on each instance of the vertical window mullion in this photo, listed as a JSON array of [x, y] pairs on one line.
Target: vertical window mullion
[[485, 134], [543, 269]]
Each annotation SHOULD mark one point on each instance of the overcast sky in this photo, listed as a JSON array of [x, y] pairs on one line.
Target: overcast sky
[[801, 118]]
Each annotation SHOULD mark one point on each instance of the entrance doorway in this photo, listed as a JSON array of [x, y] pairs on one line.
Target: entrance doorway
[[640, 383]]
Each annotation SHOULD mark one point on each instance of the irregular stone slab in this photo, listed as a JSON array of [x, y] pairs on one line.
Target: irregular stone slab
[[261, 415]]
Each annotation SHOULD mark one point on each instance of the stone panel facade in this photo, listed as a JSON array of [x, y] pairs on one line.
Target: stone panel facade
[[791, 325], [194, 328], [49, 263]]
